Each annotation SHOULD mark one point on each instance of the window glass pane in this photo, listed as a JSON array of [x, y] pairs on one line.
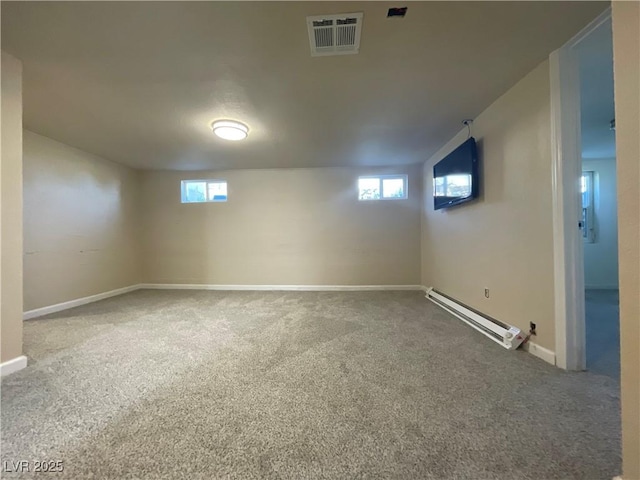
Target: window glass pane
[[217, 191], [195, 192], [198, 191], [586, 189], [369, 188], [393, 188]]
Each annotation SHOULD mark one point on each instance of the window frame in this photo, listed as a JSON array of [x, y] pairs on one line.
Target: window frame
[[405, 186], [207, 182]]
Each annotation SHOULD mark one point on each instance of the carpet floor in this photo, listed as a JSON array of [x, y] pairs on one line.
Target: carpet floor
[[602, 319], [296, 385]]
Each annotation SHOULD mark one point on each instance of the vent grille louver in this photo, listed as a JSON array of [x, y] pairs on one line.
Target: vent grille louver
[[335, 34], [322, 23], [324, 37], [346, 35]]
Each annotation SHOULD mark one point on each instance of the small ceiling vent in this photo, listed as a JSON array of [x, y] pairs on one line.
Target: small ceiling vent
[[334, 34]]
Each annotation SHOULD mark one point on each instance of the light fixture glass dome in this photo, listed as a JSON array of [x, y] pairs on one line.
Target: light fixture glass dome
[[230, 130]]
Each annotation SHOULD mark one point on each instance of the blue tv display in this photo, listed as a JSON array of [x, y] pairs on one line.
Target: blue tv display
[[455, 177]]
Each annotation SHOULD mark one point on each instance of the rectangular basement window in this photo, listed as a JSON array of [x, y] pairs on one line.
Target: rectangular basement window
[[382, 187], [199, 191]]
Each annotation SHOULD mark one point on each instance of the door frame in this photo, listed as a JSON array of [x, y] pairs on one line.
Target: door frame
[[566, 158]]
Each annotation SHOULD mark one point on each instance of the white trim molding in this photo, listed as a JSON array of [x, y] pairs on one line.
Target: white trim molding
[[13, 365], [540, 352], [38, 312], [299, 288], [567, 240]]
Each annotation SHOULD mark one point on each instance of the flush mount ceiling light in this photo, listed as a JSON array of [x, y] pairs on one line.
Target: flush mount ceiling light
[[230, 130]]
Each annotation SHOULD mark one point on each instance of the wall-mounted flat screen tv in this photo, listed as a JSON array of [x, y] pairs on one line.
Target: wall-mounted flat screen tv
[[455, 177]]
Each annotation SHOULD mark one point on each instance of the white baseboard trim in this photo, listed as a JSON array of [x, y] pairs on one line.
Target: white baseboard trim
[[13, 365], [38, 312], [306, 288], [540, 352]]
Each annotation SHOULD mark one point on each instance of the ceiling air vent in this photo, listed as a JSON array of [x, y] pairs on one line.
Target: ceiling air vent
[[334, 34]]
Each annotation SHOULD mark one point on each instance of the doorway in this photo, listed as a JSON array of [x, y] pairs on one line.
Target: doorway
[[584, 208], [599, 217]]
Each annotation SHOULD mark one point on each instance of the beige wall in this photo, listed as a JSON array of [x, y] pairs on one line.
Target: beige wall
[[504, 240], [281, 227], [626, 41], [80, 223], [11, 210]]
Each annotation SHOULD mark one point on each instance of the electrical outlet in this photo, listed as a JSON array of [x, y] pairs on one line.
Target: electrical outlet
[[532, 328], [486, 292]]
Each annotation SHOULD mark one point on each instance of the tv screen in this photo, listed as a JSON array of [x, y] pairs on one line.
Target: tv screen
[[455, 177]]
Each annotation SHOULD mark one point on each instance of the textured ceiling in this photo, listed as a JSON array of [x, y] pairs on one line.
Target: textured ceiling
[[140, 82]]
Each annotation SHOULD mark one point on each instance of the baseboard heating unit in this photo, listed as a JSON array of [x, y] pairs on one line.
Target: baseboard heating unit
[[506, 335]]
